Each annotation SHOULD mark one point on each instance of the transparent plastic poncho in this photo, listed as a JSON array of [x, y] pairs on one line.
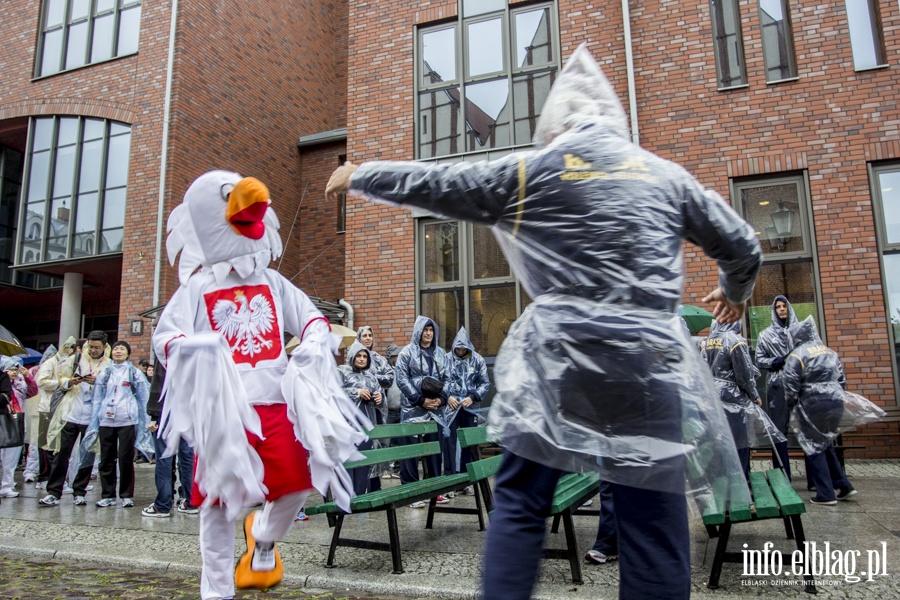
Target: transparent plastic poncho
[[596, 374]]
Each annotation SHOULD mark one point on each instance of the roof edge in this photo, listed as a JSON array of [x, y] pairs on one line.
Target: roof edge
[[324, 137]]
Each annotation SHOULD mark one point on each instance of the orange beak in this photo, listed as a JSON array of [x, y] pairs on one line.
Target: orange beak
[[247, 205]]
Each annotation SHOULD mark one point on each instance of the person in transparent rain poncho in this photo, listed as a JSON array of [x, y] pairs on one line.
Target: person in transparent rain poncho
[[726, 353], [362, 386], [820, 409], [596, 374]]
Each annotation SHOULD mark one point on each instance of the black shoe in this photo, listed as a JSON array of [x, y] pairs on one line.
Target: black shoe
[[846, 493]]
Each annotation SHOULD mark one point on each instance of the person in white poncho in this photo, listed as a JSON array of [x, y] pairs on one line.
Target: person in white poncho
[[230, 390]]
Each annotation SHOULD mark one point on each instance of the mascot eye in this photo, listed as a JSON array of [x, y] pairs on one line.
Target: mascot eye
[[225, 190]]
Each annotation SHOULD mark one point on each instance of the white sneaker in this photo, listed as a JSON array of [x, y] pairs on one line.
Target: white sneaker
[[29, 478], [469, 491], [67, 489], [151, 511], [9, 494], [106, 502], [80, 501], [451, 494], [49, 500], [263, 558], [127, 503], [40, 485], [419, 504]]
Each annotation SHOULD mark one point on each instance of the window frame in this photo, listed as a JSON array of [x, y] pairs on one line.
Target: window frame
[[788, 42], [874, 169], [877, 33], [75, 194], [459, 26], [119, 7], [739, 34], [807, 230]]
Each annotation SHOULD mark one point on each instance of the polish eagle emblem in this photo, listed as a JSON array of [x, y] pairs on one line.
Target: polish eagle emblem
[[245, 323]]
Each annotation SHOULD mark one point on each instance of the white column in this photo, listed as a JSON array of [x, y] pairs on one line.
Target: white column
[[70, 313]]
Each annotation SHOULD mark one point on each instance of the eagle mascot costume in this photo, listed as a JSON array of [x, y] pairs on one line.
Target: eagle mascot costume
[[264, 427]]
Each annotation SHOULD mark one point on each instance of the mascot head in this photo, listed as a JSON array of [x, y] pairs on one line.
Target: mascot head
[[225, 223]]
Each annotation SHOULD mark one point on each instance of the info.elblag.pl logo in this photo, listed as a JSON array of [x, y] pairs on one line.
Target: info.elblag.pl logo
[[817, 560]]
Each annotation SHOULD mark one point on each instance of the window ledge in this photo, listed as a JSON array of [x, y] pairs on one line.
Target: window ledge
[[875, 68], [777, 81], [93, 64], [734, 87]]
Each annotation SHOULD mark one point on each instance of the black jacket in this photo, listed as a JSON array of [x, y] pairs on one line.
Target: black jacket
[[155, 403]]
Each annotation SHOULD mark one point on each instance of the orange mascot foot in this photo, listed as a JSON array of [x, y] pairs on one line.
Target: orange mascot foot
[[244, 575]]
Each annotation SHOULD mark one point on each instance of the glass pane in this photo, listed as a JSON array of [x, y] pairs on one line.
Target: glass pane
[[774, 213], [129, 31], [86, 215], [438, 56], [445, 309], [892, 279], [478, 7], [865, 38], [65, 171], [533, 40], [491, 313], [76, 53], [484, 47], [441, 252], [91, 161], [529, 94], [114, 209], [440, 125], [778, 45], [84, 244], [56, 248], [487, 114], [791, 280], [40, 173], [34, 223], [14, 164], [104, 5], [728, 43], [80, 9], [50, 58], [117, 128], [93, 129], [102, 43], [111, 241], [68, 131], [489, 259], [117, 163], [889, 184], [43, 134], [56, 12]]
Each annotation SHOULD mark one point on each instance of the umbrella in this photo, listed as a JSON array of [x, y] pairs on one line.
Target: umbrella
[[348, 336], [10, 344], [697, 318], [30, 357]]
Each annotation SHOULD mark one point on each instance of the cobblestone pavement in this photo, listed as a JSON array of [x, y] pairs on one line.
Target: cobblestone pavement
[[35, 579]]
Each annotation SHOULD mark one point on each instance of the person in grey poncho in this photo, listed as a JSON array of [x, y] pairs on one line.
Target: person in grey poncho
[[380, 368], [361, 384], [468, 386], [772, 348], [814, 382], [596, 373]]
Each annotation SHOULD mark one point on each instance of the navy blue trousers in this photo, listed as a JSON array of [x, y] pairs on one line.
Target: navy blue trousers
[[607, 541], [826, 474], [653, 535]]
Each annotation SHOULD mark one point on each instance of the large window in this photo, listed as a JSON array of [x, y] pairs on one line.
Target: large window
[[481, 81], [778, 41], [778, 210], [728, 43], [886, 197], [77, 176], [464, 280], [10, 186], [865, 34], [75, 33]]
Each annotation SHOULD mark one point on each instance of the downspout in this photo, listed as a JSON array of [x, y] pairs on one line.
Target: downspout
[[629, 62], [349, 309], [164, 155]]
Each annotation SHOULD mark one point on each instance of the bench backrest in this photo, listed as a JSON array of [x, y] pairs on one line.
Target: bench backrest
[[384, 455], [395, 430]]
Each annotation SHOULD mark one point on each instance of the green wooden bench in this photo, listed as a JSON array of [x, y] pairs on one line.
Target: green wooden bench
[[389, 499], [773, 498], [572, 491], [478, 471]]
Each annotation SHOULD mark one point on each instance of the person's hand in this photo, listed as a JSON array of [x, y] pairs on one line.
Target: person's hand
[[365, 394], [431, 403], [377, 398], [725, 312], [339, 182], [467, 402], [90, 379], [152, 426], [758, 402], [452, 402], [778, 363]]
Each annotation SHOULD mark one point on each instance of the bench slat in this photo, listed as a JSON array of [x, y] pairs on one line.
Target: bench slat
[[381, 432], [472, 436], [484, 468], [738, 511], [714, 513], [400, 493], [790, 502], [573, 489], [766, 506], [382, 455]]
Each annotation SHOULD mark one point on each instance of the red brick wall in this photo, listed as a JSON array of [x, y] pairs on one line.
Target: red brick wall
[[832, 120]]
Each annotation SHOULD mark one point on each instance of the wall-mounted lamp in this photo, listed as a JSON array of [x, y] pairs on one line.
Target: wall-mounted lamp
[[783, 219]]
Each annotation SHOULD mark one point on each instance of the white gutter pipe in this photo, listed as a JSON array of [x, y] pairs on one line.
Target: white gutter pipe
[[164, 155], [629, 62], [349, 308]]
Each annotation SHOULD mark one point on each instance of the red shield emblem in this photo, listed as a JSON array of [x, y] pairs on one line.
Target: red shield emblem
[[246, 316]]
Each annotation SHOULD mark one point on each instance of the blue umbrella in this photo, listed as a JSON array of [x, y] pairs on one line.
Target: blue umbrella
[[30, 357]]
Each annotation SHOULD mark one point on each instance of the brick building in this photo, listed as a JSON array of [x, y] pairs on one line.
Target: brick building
[[787, 109], [106, 117]]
